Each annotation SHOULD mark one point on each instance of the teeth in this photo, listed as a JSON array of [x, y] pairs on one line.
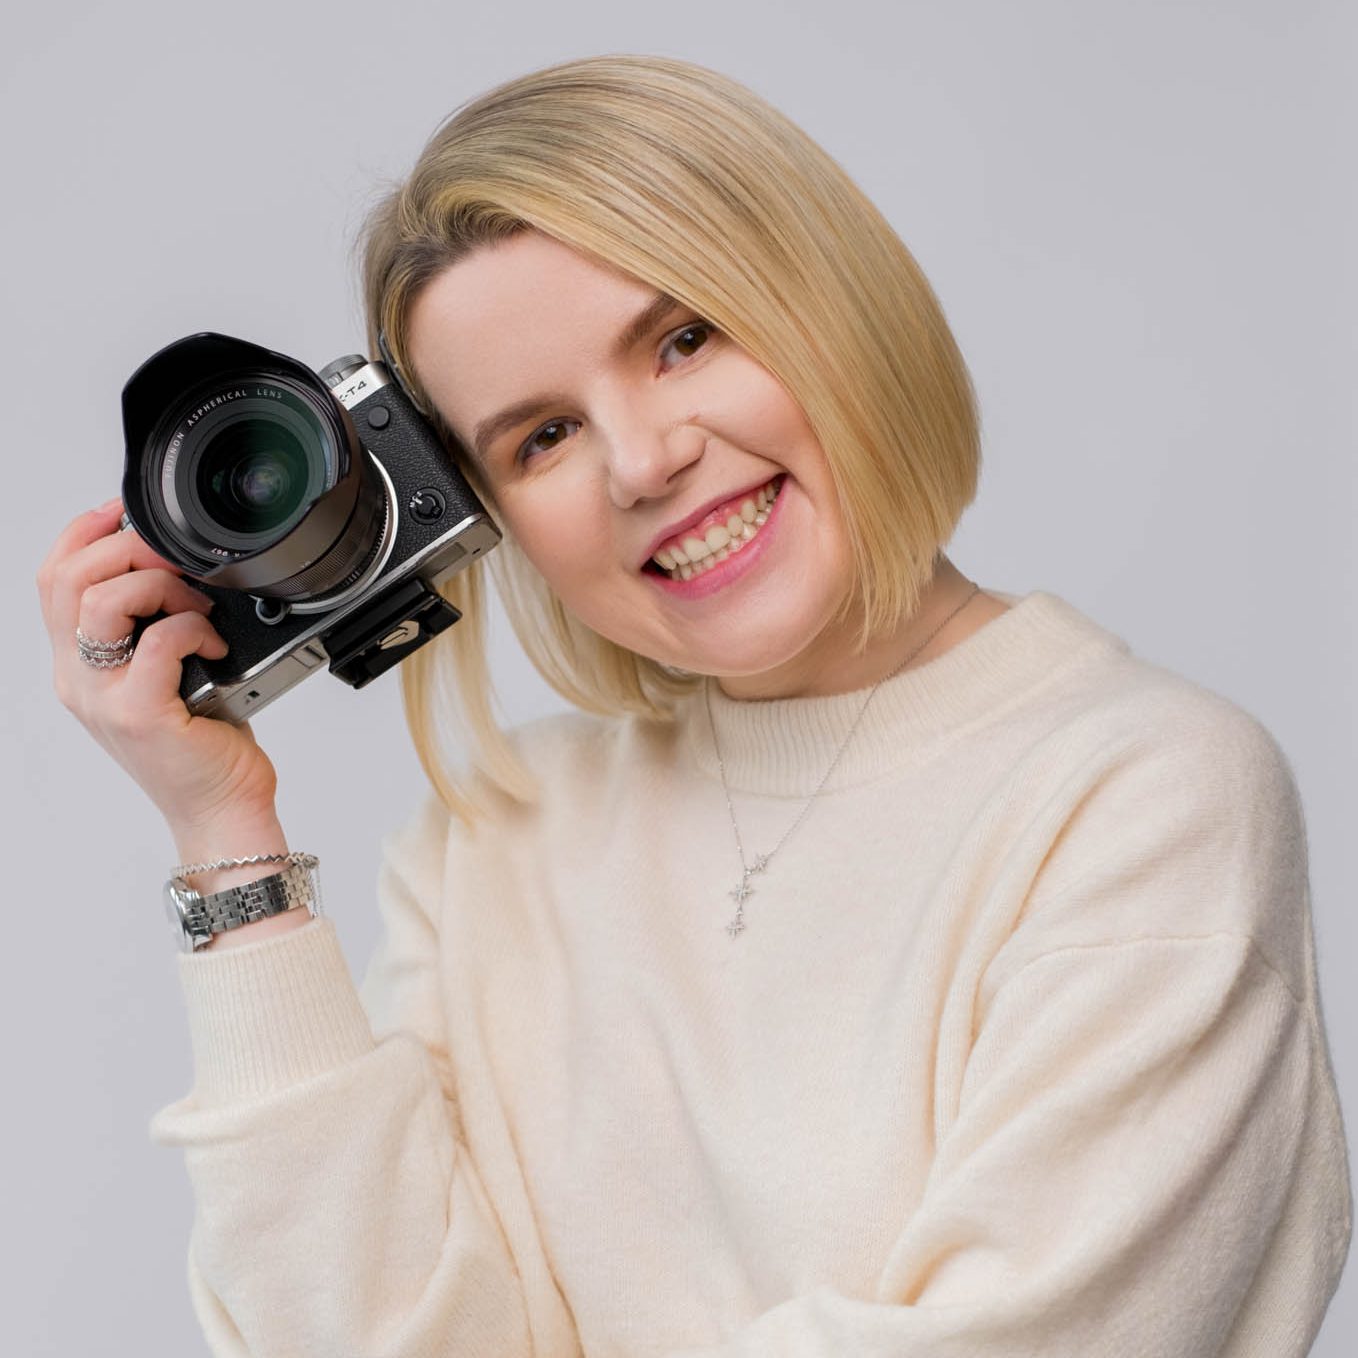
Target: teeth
[[701, 554], [698, 554]]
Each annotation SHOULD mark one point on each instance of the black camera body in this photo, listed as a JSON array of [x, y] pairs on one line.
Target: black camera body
[[319, 511]]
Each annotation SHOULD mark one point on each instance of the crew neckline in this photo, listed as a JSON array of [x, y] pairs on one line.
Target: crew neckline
[[784, 745]]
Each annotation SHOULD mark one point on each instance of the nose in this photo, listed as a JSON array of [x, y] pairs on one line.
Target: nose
[[646, 447]]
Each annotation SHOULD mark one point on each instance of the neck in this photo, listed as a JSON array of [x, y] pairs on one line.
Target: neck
[[830, 665]]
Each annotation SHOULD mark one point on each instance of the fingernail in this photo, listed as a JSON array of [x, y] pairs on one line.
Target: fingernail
[[113, 503]]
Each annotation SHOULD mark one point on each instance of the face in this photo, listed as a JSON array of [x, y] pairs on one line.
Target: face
[[609, 427]]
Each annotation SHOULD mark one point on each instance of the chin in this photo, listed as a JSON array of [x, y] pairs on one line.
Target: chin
[[746, 655]]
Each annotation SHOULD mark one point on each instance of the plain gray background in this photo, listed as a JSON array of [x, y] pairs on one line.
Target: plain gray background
[[1139, 217]]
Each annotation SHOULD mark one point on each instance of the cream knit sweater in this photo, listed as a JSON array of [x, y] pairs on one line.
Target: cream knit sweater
[[1020, 1052]]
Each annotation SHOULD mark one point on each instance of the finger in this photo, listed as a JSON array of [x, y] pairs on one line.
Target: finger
[[103, 559], [84, 528], [151, 679], [80, 532], [109, 608]]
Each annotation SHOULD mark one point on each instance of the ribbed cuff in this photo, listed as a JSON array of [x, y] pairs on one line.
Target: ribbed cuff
[[267, 1015]]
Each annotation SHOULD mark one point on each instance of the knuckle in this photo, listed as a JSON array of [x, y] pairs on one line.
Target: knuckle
[[165, 637], [68, 579], [93, 592], [156, 641], [60, 574]]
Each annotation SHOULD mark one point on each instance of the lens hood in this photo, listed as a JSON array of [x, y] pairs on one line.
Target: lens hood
[[201, 403]]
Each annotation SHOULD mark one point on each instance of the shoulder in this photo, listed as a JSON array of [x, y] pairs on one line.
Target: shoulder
[[569, 754], [584, 765], [1172, 812], [576, 758], [1160, 732], [1101, 713], [565, 738]]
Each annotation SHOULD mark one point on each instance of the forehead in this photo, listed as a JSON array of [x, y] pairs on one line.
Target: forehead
[[526, 309]]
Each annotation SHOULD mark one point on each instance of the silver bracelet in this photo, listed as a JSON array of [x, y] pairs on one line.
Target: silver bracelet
[[301, 860]]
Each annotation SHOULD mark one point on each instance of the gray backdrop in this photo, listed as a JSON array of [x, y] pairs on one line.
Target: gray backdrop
[[1139, 217]]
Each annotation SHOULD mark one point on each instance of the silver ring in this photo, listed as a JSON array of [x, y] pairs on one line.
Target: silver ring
[[104, 655]]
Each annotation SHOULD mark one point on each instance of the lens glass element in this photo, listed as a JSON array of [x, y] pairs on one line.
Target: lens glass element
[[251, 475], [247, 461]]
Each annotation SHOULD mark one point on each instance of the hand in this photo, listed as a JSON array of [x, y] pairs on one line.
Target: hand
[[199, 771]]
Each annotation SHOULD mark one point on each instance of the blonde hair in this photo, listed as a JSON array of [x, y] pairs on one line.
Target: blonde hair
[[686, 180]]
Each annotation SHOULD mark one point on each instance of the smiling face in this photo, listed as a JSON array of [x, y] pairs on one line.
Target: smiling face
[[608, 422]]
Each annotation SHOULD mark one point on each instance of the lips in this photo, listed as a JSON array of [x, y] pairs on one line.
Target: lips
[[697, 523]]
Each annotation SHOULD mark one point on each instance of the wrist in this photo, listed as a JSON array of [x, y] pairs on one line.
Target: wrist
[[243, 834]]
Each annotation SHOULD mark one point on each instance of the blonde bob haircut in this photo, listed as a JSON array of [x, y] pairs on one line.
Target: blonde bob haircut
[[686, 180]]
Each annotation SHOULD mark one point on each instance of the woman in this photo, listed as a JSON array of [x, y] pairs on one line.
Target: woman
[[872, 965]]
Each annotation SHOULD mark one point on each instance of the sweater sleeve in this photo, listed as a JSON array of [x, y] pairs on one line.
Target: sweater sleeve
[[337, 1210], [1146, 1155]]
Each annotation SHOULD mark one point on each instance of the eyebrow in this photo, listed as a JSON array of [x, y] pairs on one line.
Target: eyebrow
[[636, 330]]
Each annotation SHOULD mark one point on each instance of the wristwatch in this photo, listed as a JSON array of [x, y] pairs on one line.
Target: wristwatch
[[196, 919]]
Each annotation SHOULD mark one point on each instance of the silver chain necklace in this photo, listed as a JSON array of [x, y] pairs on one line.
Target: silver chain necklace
[[743, 889]]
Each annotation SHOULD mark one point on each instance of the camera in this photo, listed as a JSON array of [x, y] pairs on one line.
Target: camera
[[319, 511]]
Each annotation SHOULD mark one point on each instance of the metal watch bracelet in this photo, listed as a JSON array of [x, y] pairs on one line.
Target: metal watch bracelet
[[197, 919]]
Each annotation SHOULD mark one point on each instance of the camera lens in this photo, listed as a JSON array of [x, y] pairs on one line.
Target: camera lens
[[251, 477], [249, 466], [259, 481], [250, 474]]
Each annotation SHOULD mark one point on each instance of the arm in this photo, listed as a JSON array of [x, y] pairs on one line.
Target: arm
[[337, 1210]]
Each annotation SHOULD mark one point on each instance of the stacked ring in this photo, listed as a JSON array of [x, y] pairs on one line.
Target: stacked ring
[[104, 655]]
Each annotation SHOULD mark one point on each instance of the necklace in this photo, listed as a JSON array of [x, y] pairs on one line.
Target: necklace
[[743, 890]]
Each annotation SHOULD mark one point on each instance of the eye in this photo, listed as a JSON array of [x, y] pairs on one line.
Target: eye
[[685, 336], [548, 433]]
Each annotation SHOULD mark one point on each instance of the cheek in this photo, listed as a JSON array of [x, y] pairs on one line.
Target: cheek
[[580, 567], [558, 540], [762, 418]]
